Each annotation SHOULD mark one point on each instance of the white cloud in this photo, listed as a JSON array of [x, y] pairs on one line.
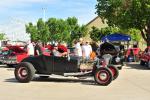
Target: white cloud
[[5, 4], [15, 31]]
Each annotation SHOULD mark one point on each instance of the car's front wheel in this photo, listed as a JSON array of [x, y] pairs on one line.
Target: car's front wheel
[[24, 72], [103, 76]]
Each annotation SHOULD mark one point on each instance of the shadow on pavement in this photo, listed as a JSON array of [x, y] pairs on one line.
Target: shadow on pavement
[[58, 80], [136, 65], [11, 80], [66, 80], [5, 66]]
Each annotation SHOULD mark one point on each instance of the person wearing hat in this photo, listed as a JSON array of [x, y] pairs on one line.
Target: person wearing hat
[[59, 51]]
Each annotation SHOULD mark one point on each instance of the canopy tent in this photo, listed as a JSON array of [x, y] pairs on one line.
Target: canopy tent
[[116, 37]]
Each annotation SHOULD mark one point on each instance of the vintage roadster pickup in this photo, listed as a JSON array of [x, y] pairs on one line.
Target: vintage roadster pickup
[[44, 66]]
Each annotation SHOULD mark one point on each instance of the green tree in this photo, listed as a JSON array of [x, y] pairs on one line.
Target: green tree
[[32, 30], [43, 31], [59, 29], [56, 30], [76, 31], [96, 34], [135, 34], [126, 14], [2, 36]]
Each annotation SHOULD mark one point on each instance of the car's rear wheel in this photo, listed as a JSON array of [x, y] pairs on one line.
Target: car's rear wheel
[[114, 70], [103, 76], [24, 72], [142, 63]]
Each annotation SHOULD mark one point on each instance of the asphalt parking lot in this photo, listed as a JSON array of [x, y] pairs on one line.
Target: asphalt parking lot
[[133, 83]]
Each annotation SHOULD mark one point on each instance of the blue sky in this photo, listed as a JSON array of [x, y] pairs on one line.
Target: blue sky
[[15, 13]]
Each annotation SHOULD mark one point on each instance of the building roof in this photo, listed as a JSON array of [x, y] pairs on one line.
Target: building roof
[[92, 20], [96, 22]]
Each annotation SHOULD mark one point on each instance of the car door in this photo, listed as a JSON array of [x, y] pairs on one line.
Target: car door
[[63, 65], [48, 62], [59, 64]]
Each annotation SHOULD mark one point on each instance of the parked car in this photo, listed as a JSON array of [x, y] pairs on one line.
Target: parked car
[[132, 54], [145, 57], [66, 66], [14, 55]]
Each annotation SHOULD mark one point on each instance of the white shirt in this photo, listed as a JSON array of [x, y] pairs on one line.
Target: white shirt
[[87, 50], [30, 49], [78, 50]]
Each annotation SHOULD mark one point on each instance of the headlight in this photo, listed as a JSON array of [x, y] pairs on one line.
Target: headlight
[[117, 59]]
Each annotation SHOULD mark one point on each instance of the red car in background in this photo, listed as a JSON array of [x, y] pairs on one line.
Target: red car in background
[[132, 54], [12, 55], [145, 57]]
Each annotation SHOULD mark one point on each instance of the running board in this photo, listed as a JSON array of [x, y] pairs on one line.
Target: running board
[[77, 74]]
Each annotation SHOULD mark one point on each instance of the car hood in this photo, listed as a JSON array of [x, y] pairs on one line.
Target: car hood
[[16, 49]]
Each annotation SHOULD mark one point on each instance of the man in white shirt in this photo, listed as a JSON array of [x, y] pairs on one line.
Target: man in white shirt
[[30, 49], [78, 49], [87, 50]]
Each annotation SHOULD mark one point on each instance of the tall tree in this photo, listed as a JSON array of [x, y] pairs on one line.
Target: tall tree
[[95, 34], [76, 30], [59, 29], [127, 14], [43, 31], [56, 30], [2, 36], [32, 30]]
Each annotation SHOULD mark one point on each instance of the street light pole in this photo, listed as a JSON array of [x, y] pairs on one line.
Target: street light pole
[[44, 11]]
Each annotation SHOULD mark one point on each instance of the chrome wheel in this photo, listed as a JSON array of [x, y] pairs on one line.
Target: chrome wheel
[[22, 72], [103, 76]]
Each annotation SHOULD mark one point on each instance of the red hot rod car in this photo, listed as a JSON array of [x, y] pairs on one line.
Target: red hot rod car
[[145, 57], [44, 66]]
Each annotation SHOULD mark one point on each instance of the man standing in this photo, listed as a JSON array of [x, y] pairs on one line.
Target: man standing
[[30, 48], [87, 50], [78, 49]]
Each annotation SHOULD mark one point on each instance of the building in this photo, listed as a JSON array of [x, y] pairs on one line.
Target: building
[[96, 22]]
